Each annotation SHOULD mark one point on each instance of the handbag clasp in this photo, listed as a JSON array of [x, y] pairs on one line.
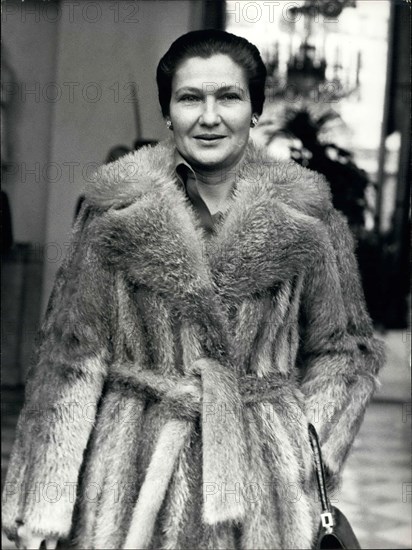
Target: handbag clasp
[[327, 520]]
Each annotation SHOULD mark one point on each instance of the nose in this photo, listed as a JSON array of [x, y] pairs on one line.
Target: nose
[[210, 115]]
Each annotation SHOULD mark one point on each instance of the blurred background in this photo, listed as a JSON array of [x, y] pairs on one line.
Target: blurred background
[[78, 89]]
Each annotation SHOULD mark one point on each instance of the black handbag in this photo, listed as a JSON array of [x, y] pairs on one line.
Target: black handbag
[[334, 530]]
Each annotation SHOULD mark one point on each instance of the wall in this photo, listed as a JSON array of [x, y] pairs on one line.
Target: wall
[[29, 45]]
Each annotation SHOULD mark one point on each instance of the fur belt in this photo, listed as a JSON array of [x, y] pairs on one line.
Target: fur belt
[[218, 396]]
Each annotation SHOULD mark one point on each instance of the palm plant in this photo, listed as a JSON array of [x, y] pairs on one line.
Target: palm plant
[[347, 181]]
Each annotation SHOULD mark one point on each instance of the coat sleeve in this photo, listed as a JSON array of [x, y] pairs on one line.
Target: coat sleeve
[[62, 390], [339, 354]]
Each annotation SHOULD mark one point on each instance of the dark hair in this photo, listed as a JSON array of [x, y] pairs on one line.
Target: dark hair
[[204, 44]]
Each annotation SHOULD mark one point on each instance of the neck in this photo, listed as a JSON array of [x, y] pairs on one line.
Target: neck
[[214, 190], [215, 187], [216, 178]]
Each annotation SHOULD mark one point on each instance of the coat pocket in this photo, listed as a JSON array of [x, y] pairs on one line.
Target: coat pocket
[[297, 422]]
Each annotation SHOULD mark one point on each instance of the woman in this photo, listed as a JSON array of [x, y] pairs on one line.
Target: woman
[[209, 309]]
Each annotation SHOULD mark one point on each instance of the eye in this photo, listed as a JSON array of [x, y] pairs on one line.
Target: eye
[[189, 98], [230, 96]]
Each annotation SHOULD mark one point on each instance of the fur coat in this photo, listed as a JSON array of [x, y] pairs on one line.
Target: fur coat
[[175, 375]]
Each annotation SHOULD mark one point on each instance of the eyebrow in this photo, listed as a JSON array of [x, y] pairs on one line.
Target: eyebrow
[[221, 89]]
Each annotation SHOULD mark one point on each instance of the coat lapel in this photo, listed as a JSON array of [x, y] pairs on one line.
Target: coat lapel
[[150, 230]]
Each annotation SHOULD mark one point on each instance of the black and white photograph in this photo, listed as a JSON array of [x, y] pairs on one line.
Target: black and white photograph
[[205, 282]]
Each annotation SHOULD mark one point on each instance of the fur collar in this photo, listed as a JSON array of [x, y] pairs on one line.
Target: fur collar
[[149, 228]]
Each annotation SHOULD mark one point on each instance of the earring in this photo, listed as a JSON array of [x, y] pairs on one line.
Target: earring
[[169, 124], [254, 121]]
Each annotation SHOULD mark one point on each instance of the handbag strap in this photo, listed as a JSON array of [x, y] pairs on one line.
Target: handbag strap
[[326, 515]]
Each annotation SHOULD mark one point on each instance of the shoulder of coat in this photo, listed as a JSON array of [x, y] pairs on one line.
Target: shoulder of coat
[[296, 186], [119, 183]]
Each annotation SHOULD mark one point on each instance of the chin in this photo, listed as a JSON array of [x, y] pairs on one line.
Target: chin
[[205, 164], [211, 160]]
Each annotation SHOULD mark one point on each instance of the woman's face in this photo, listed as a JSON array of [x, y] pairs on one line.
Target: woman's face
[[210, 110]]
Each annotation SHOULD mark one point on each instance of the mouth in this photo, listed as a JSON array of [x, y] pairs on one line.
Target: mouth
[[209, 137]]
